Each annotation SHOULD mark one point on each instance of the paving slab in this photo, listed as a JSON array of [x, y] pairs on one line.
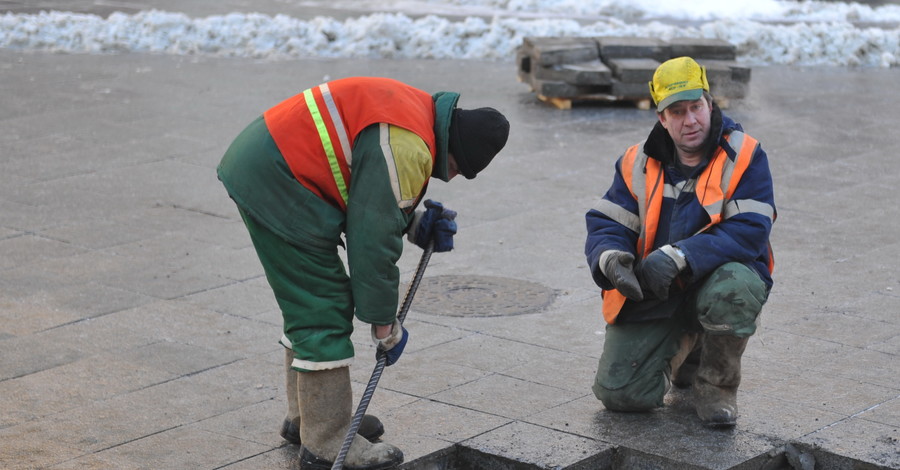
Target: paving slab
[[137, 330]]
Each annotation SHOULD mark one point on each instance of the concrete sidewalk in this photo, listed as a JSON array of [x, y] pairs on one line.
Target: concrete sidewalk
[[137, 329]]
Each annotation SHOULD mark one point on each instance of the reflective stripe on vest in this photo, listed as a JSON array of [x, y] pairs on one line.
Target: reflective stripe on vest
[[327, 144], [715, 186], [315, 130]]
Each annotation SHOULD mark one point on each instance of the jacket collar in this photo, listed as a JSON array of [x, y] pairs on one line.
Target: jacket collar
[[444, 104]]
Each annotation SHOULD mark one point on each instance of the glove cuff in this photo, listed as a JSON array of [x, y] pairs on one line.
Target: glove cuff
[[676, 254], [604, 260], [414, 226], [385, 344]]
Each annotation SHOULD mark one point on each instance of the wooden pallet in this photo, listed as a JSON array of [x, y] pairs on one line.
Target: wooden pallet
[[562, 71], [566, 103]]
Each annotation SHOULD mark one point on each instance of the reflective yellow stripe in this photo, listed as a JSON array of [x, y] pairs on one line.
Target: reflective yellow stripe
[[326, 143]]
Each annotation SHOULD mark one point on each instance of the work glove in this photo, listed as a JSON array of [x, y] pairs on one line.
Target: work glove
[[392, 346], [616, 266], [435, 223], [658, 270]]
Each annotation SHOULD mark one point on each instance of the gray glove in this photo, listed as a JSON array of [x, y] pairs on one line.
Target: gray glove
[[616, 266], [659, 269]]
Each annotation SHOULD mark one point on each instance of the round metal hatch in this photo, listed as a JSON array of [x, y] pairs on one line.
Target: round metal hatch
[[480, 296]]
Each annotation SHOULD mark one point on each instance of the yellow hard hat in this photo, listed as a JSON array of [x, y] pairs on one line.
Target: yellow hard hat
[[678, 79]]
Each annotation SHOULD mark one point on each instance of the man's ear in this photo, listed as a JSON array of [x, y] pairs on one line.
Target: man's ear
[[662, 118]]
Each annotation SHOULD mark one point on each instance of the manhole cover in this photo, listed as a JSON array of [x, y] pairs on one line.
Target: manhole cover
[[480, 296]]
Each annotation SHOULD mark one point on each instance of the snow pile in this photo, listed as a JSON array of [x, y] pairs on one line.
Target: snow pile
[[703, 10], [396, 35]]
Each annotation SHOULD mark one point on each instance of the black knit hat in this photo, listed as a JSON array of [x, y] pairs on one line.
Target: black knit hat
[[476, 136]]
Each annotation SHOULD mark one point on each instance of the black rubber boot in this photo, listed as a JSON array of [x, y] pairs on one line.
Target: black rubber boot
[[717, 380]]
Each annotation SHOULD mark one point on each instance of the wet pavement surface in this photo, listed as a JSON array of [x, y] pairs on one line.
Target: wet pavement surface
[[137, 329]]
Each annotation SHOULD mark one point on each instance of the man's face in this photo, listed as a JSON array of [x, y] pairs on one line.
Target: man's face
[[688, 125]]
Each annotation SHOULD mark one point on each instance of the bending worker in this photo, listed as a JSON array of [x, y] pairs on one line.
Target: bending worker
[[680, 246], [352, 158]]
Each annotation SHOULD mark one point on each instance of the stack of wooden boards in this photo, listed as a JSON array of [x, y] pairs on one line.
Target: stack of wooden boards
[[561, 70]]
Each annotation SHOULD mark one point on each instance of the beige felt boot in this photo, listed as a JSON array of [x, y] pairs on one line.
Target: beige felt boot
[[290, 428], [325, 399], [717, 380], [370, 427]]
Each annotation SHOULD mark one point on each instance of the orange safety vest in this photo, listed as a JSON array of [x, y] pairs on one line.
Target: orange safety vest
[[315, 130], [715, 186]]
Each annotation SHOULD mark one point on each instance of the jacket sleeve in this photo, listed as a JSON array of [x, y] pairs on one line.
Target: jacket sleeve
[[612, 224], [390, 168], [744, 234]]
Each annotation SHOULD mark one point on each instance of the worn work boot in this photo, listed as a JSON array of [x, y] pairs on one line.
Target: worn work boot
[[370, 427], [684, 363], [717, 380], [325, 399]]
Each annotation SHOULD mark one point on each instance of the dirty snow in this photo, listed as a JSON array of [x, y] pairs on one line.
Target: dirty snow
[[764, 31]]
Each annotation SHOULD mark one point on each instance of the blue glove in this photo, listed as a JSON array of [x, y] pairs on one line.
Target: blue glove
[[436, 223], [393, 355]]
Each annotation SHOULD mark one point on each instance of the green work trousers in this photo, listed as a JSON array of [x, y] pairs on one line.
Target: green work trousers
[[313, 291], [634, 371]]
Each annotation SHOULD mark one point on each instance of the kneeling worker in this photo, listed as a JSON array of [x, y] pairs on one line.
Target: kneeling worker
[[680, 246]]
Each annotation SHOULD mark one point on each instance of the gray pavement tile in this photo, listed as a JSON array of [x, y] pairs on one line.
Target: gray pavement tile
[[838, 327], [780, 419], [867, 366], [385, 401], [484, 352], [128, 417], [827, 392], [575, 416], [32, 450], [32, 314], [29, 248], [242, 298], [505, 396], [534, 445], [891, 346], [184, 447], [795, 351], [440, 421], [673, 432], [99, 233], [23, 355], [282, 457], [427, 334], [887, 413], [182, 323], [176, 276], [177, 359], [855, 442], [417, 375], [246, 423], [545, 369], [42, 394], [225, 229]]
